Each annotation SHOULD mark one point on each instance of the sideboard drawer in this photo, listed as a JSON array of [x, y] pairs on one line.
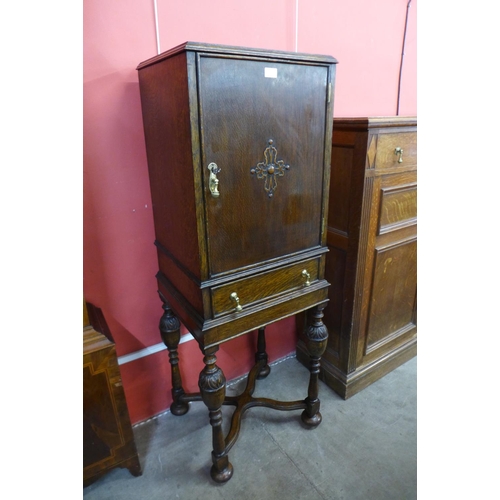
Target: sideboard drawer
[[263, 286], [389, 144]]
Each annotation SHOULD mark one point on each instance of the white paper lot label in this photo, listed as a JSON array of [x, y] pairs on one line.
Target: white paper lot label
[[271, 72]]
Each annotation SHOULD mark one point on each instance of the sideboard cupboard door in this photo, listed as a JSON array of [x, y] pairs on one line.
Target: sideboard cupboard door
[[258, 118]]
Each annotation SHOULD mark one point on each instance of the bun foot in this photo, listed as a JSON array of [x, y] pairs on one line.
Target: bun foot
[[179, 409], [313, 421], [264, 372], [222, 476]]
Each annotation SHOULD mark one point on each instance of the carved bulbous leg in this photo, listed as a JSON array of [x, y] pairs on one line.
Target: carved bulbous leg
[[212, 385], [261, 354], [171, 335], [317, 337]]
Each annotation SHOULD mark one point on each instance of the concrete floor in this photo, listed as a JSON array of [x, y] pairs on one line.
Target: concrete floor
[[364, 449]]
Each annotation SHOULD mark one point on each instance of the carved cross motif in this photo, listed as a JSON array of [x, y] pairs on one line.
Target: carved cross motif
[[270, 169]]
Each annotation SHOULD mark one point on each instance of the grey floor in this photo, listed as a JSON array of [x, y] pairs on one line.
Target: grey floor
[[365, 447]]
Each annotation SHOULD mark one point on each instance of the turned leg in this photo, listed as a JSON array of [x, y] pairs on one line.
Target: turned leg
[[212, 385], [170, 329], [261, 354], [317, 336]]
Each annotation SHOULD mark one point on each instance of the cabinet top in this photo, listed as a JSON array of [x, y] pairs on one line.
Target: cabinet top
[[238, 51]]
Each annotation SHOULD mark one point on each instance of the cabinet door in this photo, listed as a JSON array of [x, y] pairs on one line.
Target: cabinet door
[[263, 124]]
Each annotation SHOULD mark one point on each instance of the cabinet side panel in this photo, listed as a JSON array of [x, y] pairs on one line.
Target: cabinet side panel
[[346, 201], [165, 109]]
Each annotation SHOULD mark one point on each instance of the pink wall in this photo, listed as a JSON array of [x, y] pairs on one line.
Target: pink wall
[[119, 257]]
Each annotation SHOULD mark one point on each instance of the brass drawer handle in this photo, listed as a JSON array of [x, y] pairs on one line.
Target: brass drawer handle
[[307, 276], [236, 299], [213, 182], [399, 151]]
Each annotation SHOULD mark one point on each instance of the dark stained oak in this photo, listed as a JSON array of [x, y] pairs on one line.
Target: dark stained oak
[[238, 144], [372, 263]]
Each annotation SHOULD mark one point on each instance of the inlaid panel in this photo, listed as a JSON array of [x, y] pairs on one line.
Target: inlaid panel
[[101, 433], [108, 439]]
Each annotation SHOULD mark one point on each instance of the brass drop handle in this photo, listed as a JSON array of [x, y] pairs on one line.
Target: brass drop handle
[[307, 276], [236, 299], [213, 182], [399, 151]]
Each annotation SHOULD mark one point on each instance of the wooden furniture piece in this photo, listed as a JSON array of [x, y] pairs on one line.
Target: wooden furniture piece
[[372, 263], [108, 440], [238, 147]]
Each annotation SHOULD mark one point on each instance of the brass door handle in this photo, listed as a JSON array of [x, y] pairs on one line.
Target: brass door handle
[[234, 297], [213, 182], [307, 276], [399, 151]]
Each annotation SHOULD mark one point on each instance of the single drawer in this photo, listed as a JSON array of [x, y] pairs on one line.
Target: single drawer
[[398, 150], [398, 207], [240, 294]]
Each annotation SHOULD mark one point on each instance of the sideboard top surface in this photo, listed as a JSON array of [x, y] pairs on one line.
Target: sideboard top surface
[[365, 123]]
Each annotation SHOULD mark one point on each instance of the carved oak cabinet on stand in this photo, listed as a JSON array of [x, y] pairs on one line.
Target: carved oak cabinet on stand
[[238, 145]]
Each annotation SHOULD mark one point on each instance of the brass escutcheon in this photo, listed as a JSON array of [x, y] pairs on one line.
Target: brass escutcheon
[[270, 169]]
